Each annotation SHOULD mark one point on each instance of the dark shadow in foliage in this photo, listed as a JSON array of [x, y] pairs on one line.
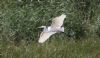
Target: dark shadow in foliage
[[98, 32]]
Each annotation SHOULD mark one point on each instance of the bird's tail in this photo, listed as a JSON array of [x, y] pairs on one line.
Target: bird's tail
[[62, 29]]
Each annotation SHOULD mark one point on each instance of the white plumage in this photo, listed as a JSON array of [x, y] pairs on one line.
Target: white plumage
[[55, 27], [58, 21], [44, 36]]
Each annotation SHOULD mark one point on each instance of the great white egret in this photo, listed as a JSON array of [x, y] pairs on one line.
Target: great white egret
[[55, 27]]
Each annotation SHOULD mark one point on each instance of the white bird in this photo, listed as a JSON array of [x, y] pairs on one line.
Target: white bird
[[55, 27]]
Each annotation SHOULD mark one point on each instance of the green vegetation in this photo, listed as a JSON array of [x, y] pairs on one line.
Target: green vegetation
[[19, 32], [89, 48]]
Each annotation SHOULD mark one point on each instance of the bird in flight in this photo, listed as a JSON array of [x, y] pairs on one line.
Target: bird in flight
[[55, 27]]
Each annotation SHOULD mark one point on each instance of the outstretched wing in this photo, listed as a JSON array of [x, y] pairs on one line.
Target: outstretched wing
[[44, 36], [58, 21]]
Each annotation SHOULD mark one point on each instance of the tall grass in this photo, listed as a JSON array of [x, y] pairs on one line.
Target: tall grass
[[89, 48], [19, 32]]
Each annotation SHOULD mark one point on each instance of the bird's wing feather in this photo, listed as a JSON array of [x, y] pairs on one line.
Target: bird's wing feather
[[44, 36], [58, 21]]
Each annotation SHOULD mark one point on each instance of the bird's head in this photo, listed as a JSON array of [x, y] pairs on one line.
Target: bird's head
[[42, 27]]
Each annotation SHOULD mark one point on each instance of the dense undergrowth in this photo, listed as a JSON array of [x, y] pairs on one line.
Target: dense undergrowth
[[19, 32]]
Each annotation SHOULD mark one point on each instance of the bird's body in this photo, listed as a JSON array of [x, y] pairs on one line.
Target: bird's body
[[55, 27], [50, 29]]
